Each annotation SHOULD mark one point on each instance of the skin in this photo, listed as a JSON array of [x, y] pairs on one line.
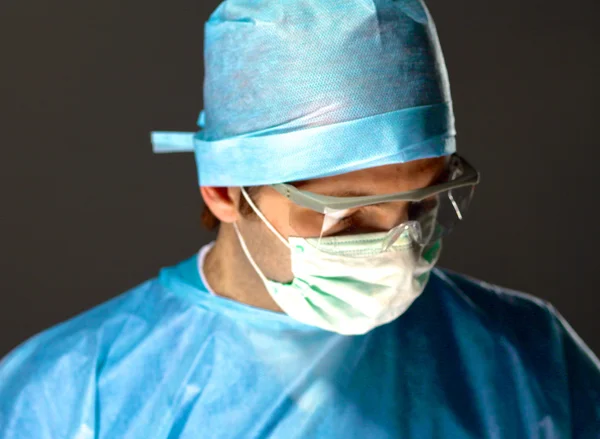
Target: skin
[[228, 271]]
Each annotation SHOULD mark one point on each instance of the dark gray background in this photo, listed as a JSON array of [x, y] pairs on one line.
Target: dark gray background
[[87, 211]]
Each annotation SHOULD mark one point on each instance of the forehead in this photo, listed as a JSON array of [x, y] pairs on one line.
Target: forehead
[[378, 180]]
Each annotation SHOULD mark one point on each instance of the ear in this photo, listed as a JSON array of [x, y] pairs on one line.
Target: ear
[[223, 202]]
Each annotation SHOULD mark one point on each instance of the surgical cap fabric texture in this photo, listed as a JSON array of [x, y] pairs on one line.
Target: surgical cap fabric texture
[[305, 89]]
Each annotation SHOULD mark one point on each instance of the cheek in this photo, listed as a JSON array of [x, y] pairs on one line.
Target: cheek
[[283, 226], [277, 212], [271, 255]]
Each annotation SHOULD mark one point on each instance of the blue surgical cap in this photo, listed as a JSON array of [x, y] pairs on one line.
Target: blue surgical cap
[[302, 89]]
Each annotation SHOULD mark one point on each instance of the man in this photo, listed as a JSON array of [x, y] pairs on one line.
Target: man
[[327, 153]]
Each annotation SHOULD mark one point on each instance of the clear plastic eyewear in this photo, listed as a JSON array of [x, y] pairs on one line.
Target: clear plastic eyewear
[[421, 215]]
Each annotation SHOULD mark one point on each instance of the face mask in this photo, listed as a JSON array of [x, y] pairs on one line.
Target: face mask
[[346, 284]]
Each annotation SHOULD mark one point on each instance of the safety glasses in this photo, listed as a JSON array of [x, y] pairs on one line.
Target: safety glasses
[[422, 215]]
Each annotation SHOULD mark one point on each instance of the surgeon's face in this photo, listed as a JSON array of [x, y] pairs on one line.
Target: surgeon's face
[[273, 257]]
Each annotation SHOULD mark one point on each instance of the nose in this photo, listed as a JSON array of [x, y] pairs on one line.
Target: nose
[[394, 214], [381, 218]]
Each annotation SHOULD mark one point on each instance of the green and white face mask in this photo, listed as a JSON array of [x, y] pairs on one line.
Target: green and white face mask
[[346, 284]]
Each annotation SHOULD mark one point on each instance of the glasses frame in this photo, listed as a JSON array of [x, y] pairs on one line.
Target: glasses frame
[[323, 203]]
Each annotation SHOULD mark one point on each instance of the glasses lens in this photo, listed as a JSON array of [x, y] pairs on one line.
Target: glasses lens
[[453, 206], [398, 223]]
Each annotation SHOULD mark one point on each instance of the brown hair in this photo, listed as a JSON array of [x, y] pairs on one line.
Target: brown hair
[[211, 222]]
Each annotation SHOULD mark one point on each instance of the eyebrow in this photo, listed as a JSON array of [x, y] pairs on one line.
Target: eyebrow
[[349, 193], [440, 178], [357, 193], [338, 193]]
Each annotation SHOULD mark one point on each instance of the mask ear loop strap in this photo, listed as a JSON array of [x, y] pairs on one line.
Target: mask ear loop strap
[[264, 219], [248, 255]]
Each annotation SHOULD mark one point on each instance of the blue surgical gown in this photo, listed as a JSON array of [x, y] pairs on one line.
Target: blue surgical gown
[[168, 360]]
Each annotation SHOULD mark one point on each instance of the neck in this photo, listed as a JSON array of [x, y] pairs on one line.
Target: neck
[[230, 274]]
